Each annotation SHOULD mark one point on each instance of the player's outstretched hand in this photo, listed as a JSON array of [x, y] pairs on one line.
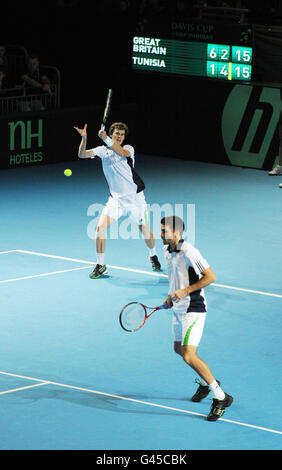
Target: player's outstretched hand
[[82, 132]]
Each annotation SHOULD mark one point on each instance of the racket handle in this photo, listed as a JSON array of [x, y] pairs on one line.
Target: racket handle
[[163, 306], [169, 304], [102, 127]]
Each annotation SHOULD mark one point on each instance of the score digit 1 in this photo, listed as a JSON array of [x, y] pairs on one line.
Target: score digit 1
[[212, 69]]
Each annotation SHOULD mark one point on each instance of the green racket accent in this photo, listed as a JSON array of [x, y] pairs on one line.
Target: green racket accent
[[107, 108], [186, 339]]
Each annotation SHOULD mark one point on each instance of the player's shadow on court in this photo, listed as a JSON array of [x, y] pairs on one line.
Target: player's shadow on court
[[103, 402], [150, 286]]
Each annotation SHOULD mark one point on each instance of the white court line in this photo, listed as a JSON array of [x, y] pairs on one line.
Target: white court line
[[248, 290], [12, 390], [90, 262], [41, 275], [8, 251], [141, 402], [224, 286]]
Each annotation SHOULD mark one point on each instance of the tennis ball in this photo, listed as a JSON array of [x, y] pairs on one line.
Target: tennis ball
[[67, 172]]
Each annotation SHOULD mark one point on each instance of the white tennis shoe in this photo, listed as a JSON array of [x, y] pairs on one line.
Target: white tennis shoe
[[276, 171]]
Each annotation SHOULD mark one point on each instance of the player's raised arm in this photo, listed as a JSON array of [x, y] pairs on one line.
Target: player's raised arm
[[82, 152], [114, 142]]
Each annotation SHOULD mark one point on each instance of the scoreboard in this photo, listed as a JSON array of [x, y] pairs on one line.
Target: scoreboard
[[205, 59]]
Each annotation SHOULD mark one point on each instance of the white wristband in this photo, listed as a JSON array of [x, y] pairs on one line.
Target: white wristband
[[108, 141]]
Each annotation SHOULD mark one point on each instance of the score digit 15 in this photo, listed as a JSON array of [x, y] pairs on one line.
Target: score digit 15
[[242, 54]]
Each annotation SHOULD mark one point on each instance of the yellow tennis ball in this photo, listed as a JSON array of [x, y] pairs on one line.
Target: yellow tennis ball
[[67, 172]]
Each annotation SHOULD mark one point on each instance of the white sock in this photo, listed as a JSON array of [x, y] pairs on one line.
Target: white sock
[[217, 391], [100, 259], [152, 251]]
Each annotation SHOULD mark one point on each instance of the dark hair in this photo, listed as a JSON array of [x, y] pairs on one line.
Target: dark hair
[[118, 125], [174, 222]]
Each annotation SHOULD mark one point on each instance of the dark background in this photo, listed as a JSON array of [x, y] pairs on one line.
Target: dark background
[[90, 44], [90, 41]]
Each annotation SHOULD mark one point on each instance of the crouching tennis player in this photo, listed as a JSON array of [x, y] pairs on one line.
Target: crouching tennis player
[[188, 274]]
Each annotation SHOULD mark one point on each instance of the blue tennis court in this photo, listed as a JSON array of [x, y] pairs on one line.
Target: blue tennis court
[[71, 378]]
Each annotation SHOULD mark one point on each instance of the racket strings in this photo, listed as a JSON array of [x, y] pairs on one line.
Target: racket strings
[[133, 316]]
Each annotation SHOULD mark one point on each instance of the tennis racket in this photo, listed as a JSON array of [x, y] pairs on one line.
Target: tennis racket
[[134, 315], [107, 108]]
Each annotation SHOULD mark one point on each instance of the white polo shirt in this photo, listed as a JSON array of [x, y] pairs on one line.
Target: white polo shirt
[[184, 267], [119, 171]]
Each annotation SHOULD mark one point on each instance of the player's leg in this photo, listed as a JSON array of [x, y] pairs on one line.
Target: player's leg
[[190, 356], [148, 236], [192, 330], [192, 327], [150, 242], [188, 353], [111, 212], [187, 323], [138, 212], [100, 236], [100, 243], [208, 383]]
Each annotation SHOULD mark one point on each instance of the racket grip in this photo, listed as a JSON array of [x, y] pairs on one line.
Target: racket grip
[[170, 300], [164, 306], [102, 127]]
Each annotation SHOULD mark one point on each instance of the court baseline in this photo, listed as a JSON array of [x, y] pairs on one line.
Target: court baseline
[[121, 268]]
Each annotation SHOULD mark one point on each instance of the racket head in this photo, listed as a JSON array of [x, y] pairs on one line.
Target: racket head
[[132, 316], [107, 108]]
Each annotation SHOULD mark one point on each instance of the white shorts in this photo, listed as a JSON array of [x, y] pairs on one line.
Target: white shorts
[[188, 328], [134, 206]]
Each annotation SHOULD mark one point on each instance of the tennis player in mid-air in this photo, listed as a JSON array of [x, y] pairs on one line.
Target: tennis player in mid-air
[[188, 274], [126, 190]]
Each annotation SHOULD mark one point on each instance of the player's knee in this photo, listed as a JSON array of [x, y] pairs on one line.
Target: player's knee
[[145, 231], [100, 231], [188, 356]]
